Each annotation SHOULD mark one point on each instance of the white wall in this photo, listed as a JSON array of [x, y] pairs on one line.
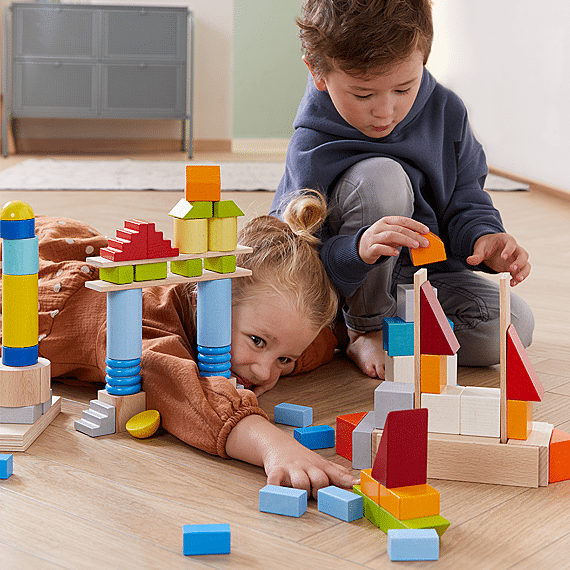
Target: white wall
[[509, 60]]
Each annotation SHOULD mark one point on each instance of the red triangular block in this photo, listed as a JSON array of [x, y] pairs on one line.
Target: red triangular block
[[522, 380], [436, 335], [401, 459], [344, 427]]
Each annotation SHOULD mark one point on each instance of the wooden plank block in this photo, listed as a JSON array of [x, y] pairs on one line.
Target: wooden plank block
[[505, 321], [539, 437], [420, 277]]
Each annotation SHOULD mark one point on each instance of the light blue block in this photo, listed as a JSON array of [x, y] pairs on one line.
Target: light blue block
[[124, 324], [283, 501], [315, 437], [340, 503], [6, 465], [20, 256], [390, 396], [206, 539], [398, 336], [214, 313], [293, 415], [413, 544]]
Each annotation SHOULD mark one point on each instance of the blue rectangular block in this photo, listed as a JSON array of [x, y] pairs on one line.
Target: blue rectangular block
[[398, 336], [293, 415], [315, 437], [340, 503], [6, 465], [283, 501], [413, 544], [206, 539]]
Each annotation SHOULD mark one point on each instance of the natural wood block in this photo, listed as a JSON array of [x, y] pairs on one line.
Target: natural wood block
[[125, 406], [539, 437], [410, 502], [480, 411], [519, 419], [222, 234], [433, 373], [444, 410], [191, 236], [25, 386]]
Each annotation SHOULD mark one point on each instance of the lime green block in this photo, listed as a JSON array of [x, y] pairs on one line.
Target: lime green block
[[192, 210], [187, 267], [119, 275], [385, 521], [224, 264], [151, 271], [226, 209]]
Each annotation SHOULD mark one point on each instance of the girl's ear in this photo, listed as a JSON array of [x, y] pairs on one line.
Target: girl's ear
[[318, 80]]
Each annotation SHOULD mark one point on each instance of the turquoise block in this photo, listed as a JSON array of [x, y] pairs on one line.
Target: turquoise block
[[315, 437], [398, 336], [340, 503], [6, 465], [20, 256], [283, 500], [293, 415], [413, 544], [200, 539]]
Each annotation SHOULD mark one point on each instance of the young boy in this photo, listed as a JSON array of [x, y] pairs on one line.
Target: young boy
[[393, 152]]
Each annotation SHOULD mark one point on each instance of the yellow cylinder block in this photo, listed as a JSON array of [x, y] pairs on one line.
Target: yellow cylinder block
[[20, 310], [223, 234], [191, 236]]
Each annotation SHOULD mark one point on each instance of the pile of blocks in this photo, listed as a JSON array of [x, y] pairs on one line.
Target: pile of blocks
[[301, 417]]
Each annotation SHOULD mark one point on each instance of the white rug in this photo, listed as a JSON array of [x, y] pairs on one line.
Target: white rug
[[50, 174]]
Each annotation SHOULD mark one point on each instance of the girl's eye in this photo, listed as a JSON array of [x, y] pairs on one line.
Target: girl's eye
[[257, 341], [285, 360]]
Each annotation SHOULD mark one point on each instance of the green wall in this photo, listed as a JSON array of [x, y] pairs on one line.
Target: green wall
[[269, 75]]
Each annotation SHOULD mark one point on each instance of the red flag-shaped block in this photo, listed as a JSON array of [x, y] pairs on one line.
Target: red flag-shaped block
[[522, 380]]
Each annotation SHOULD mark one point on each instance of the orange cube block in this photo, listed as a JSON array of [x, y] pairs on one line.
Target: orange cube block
[[559, 456], [203, 183], [410, 502], [369, 486], [519, 419], [433, 373]]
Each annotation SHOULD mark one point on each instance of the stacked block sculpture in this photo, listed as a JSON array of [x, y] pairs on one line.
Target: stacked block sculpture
[[26, 403], [204, 251]]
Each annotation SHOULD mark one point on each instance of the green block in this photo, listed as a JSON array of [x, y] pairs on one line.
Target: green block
[[226, 209], [224, 264], [384, 520], [118, 275], [192, 210], [151, 271], [187, 267]]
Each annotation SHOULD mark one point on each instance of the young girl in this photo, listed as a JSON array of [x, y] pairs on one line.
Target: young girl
[[276, 314]]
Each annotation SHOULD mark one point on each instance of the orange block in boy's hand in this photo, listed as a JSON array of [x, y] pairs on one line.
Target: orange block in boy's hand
[[434, 252], [203, 183]]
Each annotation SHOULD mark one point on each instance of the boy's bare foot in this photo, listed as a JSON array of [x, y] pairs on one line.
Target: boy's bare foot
[[366, 349]]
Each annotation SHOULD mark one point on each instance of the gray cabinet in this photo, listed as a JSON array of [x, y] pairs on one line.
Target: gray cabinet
[[97, 61]]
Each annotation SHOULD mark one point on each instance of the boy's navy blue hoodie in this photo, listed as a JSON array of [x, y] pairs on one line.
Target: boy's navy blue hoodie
[[436, 147]]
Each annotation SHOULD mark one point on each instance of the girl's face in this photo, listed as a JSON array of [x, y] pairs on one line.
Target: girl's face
[[268, 335]]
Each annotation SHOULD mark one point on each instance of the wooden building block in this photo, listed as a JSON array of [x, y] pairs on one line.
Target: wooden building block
[[222, 234], [519, 419], [191, 236], [293, 415], [398, 336], [315, 437], [405, 302], [222, 264], [412, 544], [437, 336], [402, 453], [19, 310], [452, 370], [160, 247], [345, 425], [203, 183], [25, 386], [522, 380], [283, 501], [444, 410], [125, 407], [433, 373], [361, 442], [185, 210], [226, 209], [187, 267], [199, 539], [432, 254], [369, 486], [118, 275], [399, 368], [340, 503], [390, 396], [559, 456], [151, 271], [410, 502], [480, 411], [540, 438], [6, 465]]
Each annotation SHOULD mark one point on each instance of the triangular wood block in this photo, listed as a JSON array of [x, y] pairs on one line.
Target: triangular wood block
[[401, 459], [436, 335], [522, 380], [434, 252]]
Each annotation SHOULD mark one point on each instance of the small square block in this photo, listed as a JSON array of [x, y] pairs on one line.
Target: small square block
[[293, 415], [282, 501], [399, 368], [405, 302], [444, 410], [340, 503], [203, 183], [413, 544], [315, 437], [480, 411], [390, 396], [151, 271], [433, 374], [223, 264], [187, 267], [6, 465], [398, 336], [200, 539]]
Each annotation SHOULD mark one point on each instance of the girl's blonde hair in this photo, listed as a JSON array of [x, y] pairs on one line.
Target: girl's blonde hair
[[285, 260]]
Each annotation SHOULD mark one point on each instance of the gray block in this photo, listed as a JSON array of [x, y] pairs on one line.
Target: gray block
[[47, 404], [362, 443], [20, 415], [390, 396], [98, 419]]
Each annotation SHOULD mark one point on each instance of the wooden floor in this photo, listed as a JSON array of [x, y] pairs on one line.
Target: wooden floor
[[116, 502]]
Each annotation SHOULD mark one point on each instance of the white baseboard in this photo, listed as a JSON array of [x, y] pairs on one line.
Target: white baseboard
[[269, 146]]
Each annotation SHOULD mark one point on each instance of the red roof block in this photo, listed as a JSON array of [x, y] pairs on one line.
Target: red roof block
[[522, 380]]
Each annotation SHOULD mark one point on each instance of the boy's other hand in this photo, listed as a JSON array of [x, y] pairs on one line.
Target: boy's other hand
[[501, 252], [388, 234]]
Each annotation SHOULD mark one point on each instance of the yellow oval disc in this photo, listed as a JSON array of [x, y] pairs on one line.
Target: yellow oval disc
[[144, 424], [16, 210]]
